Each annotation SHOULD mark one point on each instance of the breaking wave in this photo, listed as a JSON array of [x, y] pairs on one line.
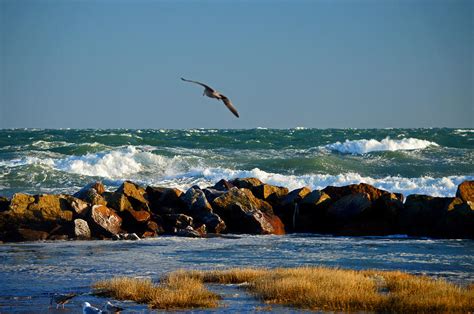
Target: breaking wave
[[359, 147]]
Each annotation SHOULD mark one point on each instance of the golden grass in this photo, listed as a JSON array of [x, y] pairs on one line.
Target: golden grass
[[315, 288], [174, 292], [321, 288]]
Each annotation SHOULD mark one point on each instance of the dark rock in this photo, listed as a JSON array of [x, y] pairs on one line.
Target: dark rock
[[223, 185], [349, 206], [4, 204], [160, 197], [153, 226], [466, 191], [424, 215], [246, 183], [244, 213], [104, 221], [460, 219], [201, 210], [310, 215], [174, 222], [81, 229], [135, 220], [288, 207]]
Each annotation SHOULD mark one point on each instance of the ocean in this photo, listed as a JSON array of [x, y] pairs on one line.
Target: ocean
[[427, 161], [408, 161]]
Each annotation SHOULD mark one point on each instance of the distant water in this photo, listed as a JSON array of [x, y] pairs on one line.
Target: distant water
[[30, 271], [428, 161]]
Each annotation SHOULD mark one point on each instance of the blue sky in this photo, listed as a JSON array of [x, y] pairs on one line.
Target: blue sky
[[323, 64]]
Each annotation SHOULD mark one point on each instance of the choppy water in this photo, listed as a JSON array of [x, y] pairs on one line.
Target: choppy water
[[32, 270], [429, 161]]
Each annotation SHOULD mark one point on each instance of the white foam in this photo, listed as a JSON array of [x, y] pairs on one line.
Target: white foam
[[444, 186], [364, 146]]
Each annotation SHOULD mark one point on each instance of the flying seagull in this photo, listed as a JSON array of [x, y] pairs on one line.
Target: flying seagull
[[210, 92]]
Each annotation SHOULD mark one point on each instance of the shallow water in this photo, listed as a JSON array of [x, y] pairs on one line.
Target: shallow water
[[30, 271]]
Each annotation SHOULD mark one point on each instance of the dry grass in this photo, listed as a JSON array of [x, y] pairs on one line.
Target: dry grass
[[174, 292], [346, 290]]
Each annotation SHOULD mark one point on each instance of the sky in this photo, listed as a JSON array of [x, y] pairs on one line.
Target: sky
[[284, 64]]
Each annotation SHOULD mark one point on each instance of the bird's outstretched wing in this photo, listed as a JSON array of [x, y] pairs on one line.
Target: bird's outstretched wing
[[199, 83], [229, 105]]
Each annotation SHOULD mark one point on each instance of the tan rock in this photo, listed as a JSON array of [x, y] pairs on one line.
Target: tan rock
[[466, 191]]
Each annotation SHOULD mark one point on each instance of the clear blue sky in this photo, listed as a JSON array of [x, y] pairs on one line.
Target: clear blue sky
[[323, 64]]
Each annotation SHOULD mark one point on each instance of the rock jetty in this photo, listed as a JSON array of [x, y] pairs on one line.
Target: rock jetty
[[243, 205]]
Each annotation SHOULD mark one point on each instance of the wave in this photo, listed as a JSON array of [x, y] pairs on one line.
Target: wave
[[359, 147], [444, 186]]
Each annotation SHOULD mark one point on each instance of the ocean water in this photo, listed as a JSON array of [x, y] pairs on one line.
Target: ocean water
[[428, 161]]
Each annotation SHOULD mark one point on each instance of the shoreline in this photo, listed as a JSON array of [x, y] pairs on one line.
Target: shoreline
[[239, 206]]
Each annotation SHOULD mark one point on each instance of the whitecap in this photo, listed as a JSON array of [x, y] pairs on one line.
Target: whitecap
[[359, 147]]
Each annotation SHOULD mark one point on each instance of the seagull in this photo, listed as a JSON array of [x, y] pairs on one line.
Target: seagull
[[210, 92], [61, 299], [87, 308], [110, 308]]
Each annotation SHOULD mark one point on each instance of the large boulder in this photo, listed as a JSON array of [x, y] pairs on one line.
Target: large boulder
[[466, 191], [244, 213], [175, 222], [201, 210], [424, 215], [42, 212], [349, 207], [104, 221]]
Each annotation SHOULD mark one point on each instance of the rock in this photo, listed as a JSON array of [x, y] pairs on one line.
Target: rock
[[338, 192], [201, 210], [466, 191], [129, 196], [212, 194], [81, 229], [92, 193], [4, 204], [79, 207], [153, 226], [246, 183], [223, 185], [148, 234], [349, 206], [270, 193], [135, 220], [244, 213], [188, 232], [126, 236], [104, 221], [460, 219], [287, 207], [174, 222], [160, 197], [310, 215], [295, 196], [424, 215], [32, 235], [39, 212]]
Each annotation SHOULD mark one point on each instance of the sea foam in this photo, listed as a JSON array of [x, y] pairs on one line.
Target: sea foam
[[364, 146]]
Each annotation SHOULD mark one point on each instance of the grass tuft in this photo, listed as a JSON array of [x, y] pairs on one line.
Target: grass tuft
[[174, 292]]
